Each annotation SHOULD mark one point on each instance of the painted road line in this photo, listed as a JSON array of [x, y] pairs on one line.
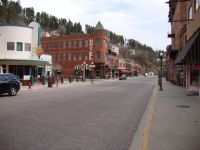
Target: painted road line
[[142, 135]]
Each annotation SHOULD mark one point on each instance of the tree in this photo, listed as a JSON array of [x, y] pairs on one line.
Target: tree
[[69, 27], [28, 15], [44, 17], [53, 23], [38, 18], [61, 30], [13, 13]]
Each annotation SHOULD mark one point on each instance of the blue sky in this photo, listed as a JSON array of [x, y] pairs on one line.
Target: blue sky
[[143, 20]]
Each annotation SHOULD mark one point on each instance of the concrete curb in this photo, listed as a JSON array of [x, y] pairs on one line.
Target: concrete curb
[[142, 135]]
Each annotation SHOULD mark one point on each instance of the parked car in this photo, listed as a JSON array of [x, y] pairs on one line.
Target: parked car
[[9, 84], [123, 77]]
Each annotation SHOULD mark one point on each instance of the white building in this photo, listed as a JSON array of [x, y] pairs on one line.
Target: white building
[[115, 49], [18, 46]]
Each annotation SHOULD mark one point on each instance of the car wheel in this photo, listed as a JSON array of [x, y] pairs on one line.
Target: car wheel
[[12, 91]]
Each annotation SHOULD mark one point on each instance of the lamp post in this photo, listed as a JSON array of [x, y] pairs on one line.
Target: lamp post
[[83, 66], [160, 74], [91, 67]]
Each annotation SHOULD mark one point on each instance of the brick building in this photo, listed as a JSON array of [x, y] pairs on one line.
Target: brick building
[[186, 40], [70, 52]]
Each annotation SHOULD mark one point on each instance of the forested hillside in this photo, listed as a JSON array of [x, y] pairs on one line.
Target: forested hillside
[[11, 12]]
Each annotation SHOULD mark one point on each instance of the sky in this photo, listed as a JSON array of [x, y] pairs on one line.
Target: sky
[[143, 20]]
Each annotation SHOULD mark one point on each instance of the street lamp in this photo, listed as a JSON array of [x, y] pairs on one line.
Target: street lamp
[[160, 74], [91, 67], [84, 69]]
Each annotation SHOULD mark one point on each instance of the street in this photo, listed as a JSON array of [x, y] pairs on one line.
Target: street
[[101, 116]]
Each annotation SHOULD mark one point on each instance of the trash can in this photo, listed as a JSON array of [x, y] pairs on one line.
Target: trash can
[[62, 79], [76, 77], [43, 80], [50, 81], [70, 78]]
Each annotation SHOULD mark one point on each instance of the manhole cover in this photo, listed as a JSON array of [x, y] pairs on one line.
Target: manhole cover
[[183, 106]]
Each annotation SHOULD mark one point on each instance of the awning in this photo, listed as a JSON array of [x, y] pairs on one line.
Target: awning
[[186, 48], [26, 61]]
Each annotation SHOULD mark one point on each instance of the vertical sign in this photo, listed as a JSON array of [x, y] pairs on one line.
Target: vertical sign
[[91, 44]]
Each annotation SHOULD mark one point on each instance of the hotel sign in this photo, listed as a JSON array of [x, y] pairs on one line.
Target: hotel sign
[[91, 46]]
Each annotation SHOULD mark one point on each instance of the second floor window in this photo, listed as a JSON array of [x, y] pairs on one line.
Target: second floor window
[[80, 44], [19, 46], [74, 57], [86, 55], [64, 57], [69, 44], [64, 44], [27, 46], [190, 13], [97, 54], [86, 43], [79, 56], [10, 45], [97, 41], [74, 44], [69, 56]]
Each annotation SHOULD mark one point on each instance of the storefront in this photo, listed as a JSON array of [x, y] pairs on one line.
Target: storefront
[[189, 57], [20, 51]]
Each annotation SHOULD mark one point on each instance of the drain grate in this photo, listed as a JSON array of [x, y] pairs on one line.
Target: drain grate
[[182, 106]]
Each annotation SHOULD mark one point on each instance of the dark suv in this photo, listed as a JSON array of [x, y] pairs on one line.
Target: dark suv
[[9, 84]]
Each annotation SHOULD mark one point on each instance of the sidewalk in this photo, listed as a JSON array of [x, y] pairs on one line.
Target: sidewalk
[[171, 121], [66, 83]]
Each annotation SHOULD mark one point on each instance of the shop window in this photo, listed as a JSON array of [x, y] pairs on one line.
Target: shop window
[[19, 46], [86, 43], [27, 46], [194, 77], [86, 55], [26, 70], [10, 46], [4, 68], [97, 54]]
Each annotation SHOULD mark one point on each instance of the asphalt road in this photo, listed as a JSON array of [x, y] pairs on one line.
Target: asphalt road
[[101, 116]]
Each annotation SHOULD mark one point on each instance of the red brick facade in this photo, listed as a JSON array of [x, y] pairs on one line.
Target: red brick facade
[[72, 50], [185, 23]]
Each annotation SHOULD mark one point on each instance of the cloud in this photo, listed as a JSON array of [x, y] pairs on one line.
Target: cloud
[[144, 20]]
